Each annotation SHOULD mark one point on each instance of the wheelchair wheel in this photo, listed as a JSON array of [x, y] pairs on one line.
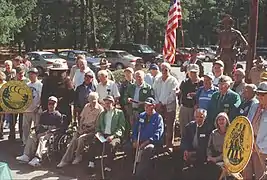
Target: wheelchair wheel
[[63, 143]]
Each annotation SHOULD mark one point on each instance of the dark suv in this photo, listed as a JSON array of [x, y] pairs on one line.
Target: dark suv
[[140, 50]]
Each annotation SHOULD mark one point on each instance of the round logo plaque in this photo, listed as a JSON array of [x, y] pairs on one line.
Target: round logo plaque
[[16, 97], [238, 144]]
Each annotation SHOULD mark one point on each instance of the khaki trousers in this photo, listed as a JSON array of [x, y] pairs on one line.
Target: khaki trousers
[[32, 148], [28, 119], [76, 146], [185, 116], [254, 167]]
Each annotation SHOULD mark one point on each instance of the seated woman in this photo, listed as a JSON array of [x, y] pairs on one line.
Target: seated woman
[[89, 115], [36, 144], [215, 146]]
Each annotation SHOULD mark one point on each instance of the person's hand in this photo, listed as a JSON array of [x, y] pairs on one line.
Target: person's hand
[[186, 155], [110, 138], [211, 159], [130, 100]]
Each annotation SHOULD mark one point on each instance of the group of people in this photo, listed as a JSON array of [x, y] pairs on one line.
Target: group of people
[[141, 111]]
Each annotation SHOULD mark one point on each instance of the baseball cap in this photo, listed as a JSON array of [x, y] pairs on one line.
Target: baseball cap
[[19, 69], [193, 68], [33, 70], [262, 87], [240, 71], [209, 75], [129, 69], [89, 73], [252, 86], [150, 101], [225, 79], [219, 62], [109, 98], [53, 98], [154, 67]]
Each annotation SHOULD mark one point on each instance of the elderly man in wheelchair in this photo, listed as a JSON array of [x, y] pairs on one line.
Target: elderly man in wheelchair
[[36, 145]]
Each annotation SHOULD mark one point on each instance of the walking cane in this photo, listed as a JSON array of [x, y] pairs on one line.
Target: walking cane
[[137, 149], [102, 161]]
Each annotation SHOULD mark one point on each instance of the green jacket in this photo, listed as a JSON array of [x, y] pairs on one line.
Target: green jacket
[[229, 104], [123, 92], [117, 123], [145, 92]]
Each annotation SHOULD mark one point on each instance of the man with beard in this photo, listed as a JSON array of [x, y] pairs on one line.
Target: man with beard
[[59, 85]]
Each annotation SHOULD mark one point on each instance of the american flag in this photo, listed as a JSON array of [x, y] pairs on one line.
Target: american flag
[[174, 15]]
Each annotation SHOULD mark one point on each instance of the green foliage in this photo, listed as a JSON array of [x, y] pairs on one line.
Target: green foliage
[[82, 24]]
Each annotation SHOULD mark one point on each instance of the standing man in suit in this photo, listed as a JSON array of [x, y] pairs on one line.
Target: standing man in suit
[[225, 100]]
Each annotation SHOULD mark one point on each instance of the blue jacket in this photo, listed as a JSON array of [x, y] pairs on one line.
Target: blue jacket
[[151, 129]]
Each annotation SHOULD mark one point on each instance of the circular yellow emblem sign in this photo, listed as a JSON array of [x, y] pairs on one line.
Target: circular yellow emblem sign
[[238, 142], [16, 97]]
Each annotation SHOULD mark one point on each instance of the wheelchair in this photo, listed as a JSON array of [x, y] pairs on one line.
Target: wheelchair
[[59, 141]]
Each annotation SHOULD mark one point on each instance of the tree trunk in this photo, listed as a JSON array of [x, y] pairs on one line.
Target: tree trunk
[[145, 26], [92, 22], [265, 23], [82, 23], [118, 22]]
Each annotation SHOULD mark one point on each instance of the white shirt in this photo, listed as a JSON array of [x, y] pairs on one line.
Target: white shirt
[[108, 120], [165, 92], [36, 88], [78, 78], [149, 79], [216, 80], [102, 90]]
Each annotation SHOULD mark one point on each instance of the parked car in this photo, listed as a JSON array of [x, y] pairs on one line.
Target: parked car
[[181, 56], [139, 50], [119, 59], [261, 51], [42, 60], [206, 54], [70, 56]]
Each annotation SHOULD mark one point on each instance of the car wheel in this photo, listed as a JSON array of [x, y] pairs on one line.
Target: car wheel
[[178, 63], [40, 70], [119, 66], [148, 64], [207, 59]]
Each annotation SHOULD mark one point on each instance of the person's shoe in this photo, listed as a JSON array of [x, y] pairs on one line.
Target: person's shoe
[[77, 160], [62, 164], [11, 138], [35, 162], [91, 164], [1, 136], [23, 158]]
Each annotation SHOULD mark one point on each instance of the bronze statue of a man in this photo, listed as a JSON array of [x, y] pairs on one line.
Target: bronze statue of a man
[[228, 39]]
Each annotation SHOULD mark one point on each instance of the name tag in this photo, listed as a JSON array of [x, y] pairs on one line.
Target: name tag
[[209, 95], [202, 135], [226, 105], [144, 91], [241, 111]]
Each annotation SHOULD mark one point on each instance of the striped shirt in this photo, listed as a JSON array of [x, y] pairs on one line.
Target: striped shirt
[[203, 97]]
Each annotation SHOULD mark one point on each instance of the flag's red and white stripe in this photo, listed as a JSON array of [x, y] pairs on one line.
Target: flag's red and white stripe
[[174, 15]]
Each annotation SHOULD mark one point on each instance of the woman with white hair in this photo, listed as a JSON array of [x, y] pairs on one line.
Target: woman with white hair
[[9, 72], [215, 146], [86, 130]]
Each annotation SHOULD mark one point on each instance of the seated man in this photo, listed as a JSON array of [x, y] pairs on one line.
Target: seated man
[[37, 140], [151, 128], [86, 131], [111, 126], [194, 142]]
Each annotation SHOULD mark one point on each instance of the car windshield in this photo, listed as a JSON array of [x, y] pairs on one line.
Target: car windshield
[[49, 56], [146, 49], [84, 53], [124, 54]]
